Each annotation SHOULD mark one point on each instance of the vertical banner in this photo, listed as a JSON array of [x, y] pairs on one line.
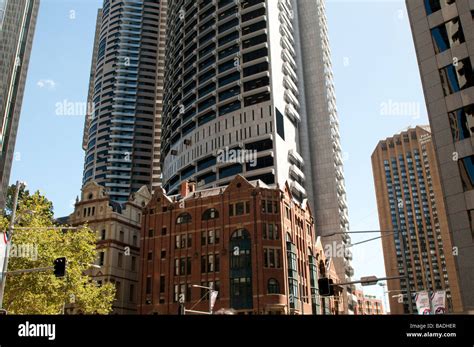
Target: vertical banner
[[438, 302], [423, 303], [213, 298], [3, 252]]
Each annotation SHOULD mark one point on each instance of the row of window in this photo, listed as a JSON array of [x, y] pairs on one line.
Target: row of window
[[184, 291], [208, 237]]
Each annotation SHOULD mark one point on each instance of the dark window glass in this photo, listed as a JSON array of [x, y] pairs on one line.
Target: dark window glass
[[254, 14], [256, 99], [206, 179], [255, 69], [188, 172], [162, 284], [273, 286], [206, 163], [228, 38], [254, 27], [447, 35], [239, 209], [227, 94], [466, 169], [148, 285], [233, 106], [260, 163], [254, 41], [255, 84], [208, 117], [227, 65], [280, 124], [210, 214], [229, 78], [436, 5], [228, 51], [457, 77], [230, 171], [462, 123], [184, 218], [260, 146]]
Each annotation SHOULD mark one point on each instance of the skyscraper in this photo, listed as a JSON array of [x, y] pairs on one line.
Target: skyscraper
[[17, 26], [443, 32], [319, 136], [124, 94], [252, 80], [410, 200]]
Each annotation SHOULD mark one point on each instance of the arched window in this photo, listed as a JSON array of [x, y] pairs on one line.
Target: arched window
[[212, 213], [240, 234], [183, 218], [273, 286]]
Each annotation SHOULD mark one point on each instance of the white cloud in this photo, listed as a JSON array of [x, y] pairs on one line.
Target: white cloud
[[49, 84]]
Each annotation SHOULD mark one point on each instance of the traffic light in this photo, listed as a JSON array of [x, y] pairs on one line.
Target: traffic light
[[60, 267], [326, 287]]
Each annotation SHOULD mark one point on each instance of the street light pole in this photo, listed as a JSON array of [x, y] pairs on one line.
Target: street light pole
[[385, 292], [211, 291], [407, 275], [9, 238]]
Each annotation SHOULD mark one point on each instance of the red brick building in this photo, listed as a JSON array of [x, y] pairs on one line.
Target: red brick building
[[252, 243], [368, 304]]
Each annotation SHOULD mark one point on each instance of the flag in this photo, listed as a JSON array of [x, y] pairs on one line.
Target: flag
[[3, 252], [423, 305], [213, 298], [438, 302]]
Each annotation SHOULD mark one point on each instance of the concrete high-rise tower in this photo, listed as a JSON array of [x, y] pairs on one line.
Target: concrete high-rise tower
[[410, 200], [125, 90], [443, 32], [249, 91], [319, 137], [17, 26]]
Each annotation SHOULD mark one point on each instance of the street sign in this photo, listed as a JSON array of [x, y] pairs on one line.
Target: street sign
[[369, 281]]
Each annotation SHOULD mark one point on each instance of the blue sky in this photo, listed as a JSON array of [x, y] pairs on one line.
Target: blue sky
[[374, 66]]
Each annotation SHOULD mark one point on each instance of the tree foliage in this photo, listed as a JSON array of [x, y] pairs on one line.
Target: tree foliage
[[37, 247]]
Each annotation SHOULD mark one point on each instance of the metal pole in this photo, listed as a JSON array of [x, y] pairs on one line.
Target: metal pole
[[8, 245], [360, 281], [211, 289], [407, 277], [40, 269]]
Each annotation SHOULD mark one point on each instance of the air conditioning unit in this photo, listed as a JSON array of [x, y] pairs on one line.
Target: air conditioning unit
[[187, 142], [174, 152]]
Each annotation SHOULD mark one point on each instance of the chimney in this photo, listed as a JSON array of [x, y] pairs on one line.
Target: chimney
[[186, 188]]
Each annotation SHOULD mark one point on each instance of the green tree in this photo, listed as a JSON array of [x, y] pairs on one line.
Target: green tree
[[37, 247]]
